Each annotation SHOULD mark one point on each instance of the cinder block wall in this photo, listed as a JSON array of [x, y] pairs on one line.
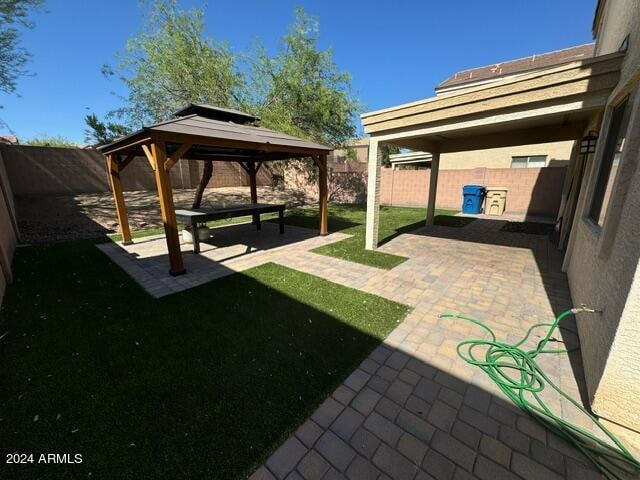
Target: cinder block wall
[[535, 191], [40, 171], [8, 229]]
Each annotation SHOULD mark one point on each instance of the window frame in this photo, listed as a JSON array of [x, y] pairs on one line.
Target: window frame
[[606, 158], [528, 157]]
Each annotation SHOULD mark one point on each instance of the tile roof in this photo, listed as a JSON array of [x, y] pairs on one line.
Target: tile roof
[[519, 65]]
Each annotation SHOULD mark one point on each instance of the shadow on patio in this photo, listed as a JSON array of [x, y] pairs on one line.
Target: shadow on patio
[[208, 382], [232, 248]]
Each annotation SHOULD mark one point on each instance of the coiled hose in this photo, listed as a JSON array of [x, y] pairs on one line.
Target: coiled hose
[[517, 374]]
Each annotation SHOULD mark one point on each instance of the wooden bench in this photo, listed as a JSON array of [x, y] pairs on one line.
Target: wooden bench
[[200, 215]]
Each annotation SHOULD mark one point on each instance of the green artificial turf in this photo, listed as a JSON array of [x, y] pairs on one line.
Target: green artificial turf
[[351, 219], [201, 384]]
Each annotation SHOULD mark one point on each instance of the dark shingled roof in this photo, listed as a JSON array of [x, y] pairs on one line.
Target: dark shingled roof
[[217, 113], [520, 65], [223, 139]]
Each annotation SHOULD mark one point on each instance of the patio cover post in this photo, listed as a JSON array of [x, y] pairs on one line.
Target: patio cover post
[[323, 192], [113, 169], [165, 194], [433, 187], [373, 196]]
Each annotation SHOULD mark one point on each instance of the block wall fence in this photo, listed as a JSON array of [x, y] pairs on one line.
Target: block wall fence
[[533, 191], [8, 229], [40, 171]]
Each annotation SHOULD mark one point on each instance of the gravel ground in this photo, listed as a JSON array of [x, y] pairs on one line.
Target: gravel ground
[[55, 218]]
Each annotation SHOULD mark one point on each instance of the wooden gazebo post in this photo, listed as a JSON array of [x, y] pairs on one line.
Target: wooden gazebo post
[[167, 207], [113, 168], [323, 191], [252, 169]]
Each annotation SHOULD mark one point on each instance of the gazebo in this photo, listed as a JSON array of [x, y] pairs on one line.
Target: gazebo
[[204, 132]]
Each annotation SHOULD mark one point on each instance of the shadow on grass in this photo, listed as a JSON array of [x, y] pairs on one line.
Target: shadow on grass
[[203, 383], [208, 382]]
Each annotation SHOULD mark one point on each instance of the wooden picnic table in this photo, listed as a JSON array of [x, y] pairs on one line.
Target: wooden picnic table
[[201, 215]]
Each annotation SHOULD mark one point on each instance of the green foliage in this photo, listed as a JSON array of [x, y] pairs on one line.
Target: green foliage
[[301, 91], [13, 58], [50, 141], [100, 133], [387, 149], [171, 64], [13, 13]]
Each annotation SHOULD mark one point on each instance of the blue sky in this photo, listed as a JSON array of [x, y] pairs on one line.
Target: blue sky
[[396, 51]]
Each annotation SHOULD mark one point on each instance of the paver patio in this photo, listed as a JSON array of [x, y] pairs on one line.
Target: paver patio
[[413, 409], [231, 249]]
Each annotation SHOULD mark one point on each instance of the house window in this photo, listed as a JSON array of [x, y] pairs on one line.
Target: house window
[[610, 162], [530, 161]]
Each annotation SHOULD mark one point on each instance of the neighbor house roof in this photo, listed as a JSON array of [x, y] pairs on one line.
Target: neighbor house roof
[[520, 65], [10, 139], [408, 158], [217, 139]]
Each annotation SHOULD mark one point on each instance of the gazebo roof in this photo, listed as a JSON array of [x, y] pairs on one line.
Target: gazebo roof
[[217, 134]]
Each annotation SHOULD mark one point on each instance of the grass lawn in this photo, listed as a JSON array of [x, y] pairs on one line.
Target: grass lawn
[[351, 219], [201, 384]]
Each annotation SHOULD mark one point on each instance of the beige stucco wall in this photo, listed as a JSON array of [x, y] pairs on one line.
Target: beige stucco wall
[[602, 263], [359, 147], [558, 154]]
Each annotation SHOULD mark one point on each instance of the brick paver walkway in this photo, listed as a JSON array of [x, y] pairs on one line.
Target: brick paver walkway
[[413, 409]]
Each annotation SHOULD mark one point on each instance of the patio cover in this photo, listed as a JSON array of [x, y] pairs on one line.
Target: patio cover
[[204, 132], [546, 105]]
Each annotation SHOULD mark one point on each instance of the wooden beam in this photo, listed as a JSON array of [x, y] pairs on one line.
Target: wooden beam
[[323, 191], [177, 155], [123, 163], [143, 137], [149, 155], [167, 208], [253, 186], [244, 166], [113, 169]]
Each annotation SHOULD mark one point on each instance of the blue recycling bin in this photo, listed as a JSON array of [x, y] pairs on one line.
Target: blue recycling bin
[[472, 198]]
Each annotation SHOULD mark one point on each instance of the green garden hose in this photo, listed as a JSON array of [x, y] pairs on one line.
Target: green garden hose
[[519, 377]]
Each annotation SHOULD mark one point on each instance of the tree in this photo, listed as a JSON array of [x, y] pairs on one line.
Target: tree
[[13, 59], [387, 149], [100, 133], [301, 91], [50, 141], [171, 64]]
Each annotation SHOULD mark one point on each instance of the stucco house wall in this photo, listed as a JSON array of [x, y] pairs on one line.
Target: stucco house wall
[[602, 263], [558, 154]]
